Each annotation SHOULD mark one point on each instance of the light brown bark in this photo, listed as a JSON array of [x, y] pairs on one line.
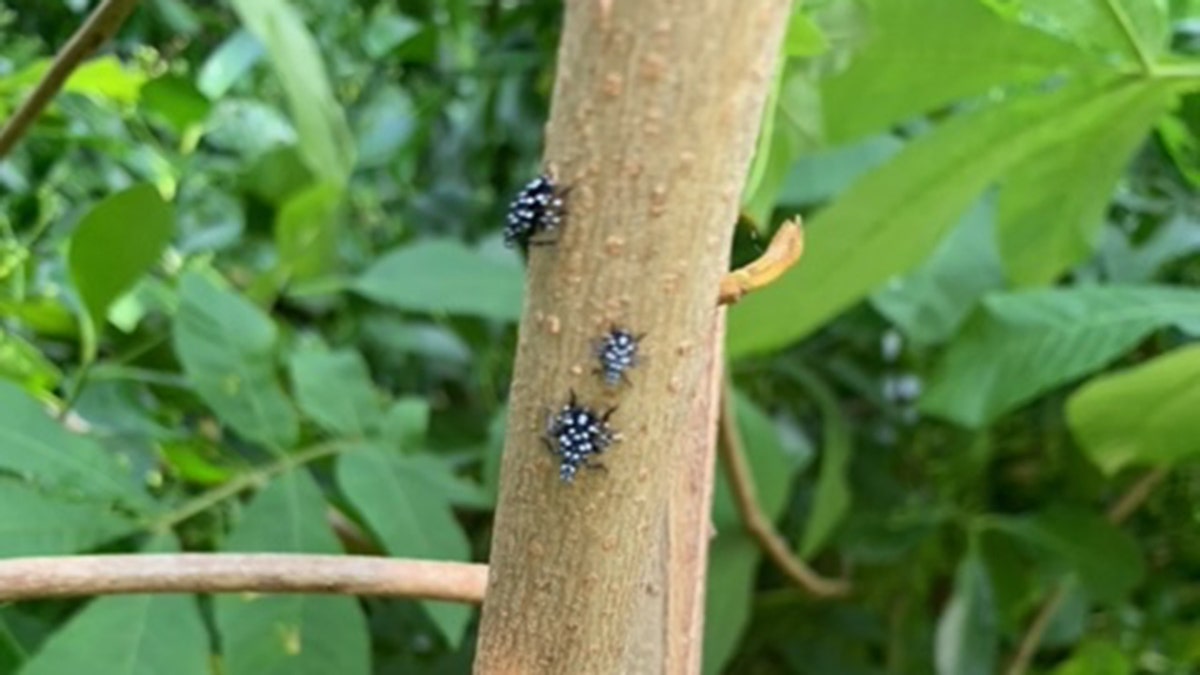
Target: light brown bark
[[656, 108], [57, 577]]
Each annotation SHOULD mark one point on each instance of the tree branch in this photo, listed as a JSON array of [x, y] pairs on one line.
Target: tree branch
[[58, 577], [101, 25], [757, 523], [1117, 514], [653, 121]]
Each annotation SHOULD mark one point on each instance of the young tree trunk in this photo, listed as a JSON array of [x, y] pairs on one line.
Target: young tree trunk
[[655, 113]]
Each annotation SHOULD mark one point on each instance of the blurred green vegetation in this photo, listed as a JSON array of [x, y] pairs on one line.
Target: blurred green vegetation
[[256, 243]]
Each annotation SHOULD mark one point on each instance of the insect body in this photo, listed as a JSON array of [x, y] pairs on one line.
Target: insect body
[[538, 209], [575, 434], [617, 352]]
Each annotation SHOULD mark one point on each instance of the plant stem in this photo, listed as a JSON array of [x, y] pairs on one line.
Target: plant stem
[[100, 25], [237, 485], [732, 454], [84, 575], [1118, 513]]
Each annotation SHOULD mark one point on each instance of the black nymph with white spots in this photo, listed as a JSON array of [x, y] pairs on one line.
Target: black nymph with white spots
[[617, 352], [538, 209], [575, 435]]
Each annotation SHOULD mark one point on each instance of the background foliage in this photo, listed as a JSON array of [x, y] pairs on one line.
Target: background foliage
[[254, 299]]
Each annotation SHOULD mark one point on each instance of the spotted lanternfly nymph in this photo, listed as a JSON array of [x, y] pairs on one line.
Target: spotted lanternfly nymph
[[538, 209], [617, 352], [575, 434]]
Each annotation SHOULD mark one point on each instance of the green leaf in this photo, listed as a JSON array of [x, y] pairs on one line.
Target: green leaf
[[325, 138], [931, 302], [105, 78], [35, 523], [967, 634], [228, 349], [1124, 27], [290, 634], [444, 276], [832, 497], [734, 555], [927, 53], [387, 31], [1053, 205], [306, 233], [118, 240], [1020, 345], [177, 101], [129, 635], [12, 653], [410, 516], [821, 175], [232, 59], [334, 389], [1127, 262], [1182, 145], [278, 175], [894, 217], [790, 121], [804, 37], [37, 448], [407, 423], [789, 127], [23, 363], [1106, 559], [1096, 658], [1141, 416]]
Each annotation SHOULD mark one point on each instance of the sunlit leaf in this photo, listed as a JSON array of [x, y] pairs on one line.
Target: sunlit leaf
[[232, 59], [325, 138], [1129, 28], [1141, 416], [894, 217], [118, 240], [922, 54], [1042, 232], [23, 363]]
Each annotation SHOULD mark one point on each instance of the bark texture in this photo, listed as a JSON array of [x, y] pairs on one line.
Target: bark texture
[[69, 576], [656, 108]]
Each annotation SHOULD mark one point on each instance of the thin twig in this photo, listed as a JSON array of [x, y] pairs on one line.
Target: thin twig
[[782, 253], [85, 575], [757, 524], [241, 483], [101, 25], [1136, 495], [1120, 511]]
